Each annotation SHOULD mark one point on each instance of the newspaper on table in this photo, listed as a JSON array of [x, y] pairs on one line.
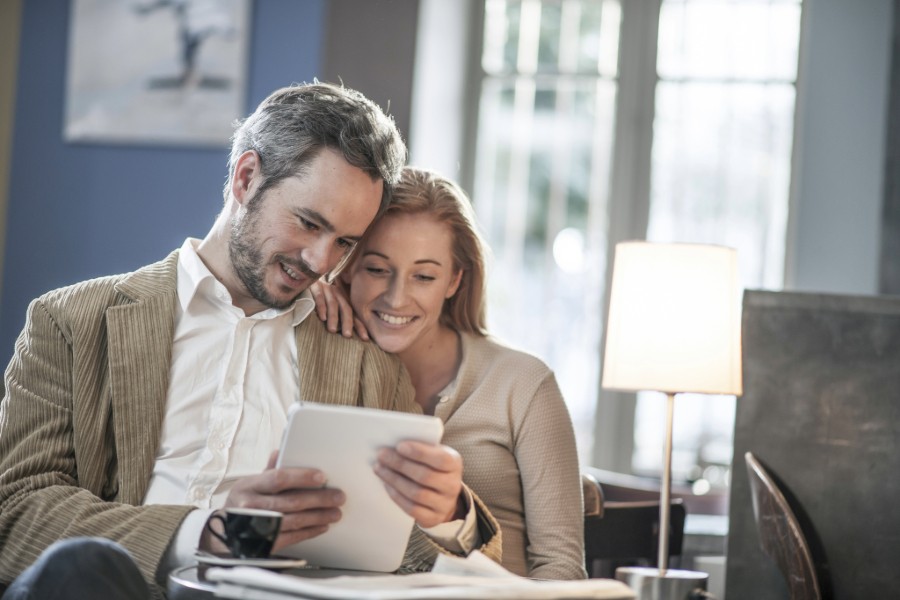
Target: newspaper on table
[[471, 578]]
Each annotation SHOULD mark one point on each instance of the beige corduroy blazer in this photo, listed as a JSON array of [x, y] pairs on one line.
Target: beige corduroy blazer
[[85, 399]]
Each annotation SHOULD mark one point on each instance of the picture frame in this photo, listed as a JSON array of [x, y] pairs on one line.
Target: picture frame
[[156, 71]]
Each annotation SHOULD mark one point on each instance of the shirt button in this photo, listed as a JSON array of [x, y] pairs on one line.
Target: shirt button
[[443, 399]]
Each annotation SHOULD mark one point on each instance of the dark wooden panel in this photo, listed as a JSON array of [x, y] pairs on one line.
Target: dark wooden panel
[[821, 408], [370, 45]]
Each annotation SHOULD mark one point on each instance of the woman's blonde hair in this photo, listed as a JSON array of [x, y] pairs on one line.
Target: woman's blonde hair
[[420, 191]]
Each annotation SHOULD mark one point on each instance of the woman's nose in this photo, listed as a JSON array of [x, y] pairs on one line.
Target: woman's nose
[[396, 292]]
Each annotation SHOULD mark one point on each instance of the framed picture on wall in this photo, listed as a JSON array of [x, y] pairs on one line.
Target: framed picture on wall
[[156, 71]]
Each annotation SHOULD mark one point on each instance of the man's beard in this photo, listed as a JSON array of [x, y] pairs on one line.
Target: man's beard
[[248, 262]]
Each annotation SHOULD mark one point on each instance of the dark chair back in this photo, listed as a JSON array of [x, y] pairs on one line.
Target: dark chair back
[[780, 534], [627, 534]]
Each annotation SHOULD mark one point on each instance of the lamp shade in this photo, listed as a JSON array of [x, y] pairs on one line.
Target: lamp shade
[[674, 319]]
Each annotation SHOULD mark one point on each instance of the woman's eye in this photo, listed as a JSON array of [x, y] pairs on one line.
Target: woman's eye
[[425, 278], [376, 270]]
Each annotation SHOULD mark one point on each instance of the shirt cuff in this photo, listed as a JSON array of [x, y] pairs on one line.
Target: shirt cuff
[[180, 552], [459, 536]]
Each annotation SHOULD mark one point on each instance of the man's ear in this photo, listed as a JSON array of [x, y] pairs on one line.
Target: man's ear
[[247, 173]]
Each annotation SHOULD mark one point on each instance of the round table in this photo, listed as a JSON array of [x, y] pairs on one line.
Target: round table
[[189, 583]]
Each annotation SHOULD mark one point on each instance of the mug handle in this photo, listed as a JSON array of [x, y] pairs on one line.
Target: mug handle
[[215, 533]]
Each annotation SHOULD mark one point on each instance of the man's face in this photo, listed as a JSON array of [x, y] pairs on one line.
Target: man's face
[[285, 239]]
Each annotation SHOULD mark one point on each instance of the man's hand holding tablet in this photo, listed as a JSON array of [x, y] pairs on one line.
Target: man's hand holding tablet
[[413, 472], [298, 493]]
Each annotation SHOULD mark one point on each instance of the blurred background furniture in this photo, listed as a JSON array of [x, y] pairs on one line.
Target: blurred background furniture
[[625, 531], [592, 494], [706, 521], [627, 534], [780, 534], [621, 487], [820, 408]]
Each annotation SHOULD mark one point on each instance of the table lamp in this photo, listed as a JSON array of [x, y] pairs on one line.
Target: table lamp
[[673, 326]]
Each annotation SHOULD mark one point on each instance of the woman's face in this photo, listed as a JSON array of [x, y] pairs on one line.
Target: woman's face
[[401, 278]]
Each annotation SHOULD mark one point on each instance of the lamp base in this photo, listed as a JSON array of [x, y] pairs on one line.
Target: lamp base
[[649, 583]]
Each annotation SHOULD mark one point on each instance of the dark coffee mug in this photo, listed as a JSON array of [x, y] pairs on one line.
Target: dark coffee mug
[[249, 532]]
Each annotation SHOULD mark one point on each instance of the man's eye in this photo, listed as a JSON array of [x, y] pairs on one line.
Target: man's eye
[[307, 224], [346, 244]]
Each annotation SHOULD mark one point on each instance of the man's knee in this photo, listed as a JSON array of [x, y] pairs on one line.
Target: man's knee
[[98, 566], [89, 552]]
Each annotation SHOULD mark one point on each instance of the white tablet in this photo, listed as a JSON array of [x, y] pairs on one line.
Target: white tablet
[[342, 442]]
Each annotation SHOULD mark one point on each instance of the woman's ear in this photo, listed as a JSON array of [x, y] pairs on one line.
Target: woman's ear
[[454, 284], [246, 175]]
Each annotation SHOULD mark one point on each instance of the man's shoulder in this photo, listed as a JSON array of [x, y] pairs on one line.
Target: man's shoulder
[[498, 354], [326, 341], [109, 290], [339, 370]]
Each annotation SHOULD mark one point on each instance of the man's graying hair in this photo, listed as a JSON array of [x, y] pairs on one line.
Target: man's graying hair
[[291, 126]]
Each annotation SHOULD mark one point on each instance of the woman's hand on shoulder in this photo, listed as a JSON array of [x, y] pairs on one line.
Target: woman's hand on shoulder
[[334, 309]]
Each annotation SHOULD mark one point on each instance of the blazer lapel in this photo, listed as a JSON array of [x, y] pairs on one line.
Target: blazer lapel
[[140, 355]]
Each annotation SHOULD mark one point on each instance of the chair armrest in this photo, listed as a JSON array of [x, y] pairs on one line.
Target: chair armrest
[[593, 495]]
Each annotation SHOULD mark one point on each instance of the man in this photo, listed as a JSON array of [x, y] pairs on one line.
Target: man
[[137, 404]]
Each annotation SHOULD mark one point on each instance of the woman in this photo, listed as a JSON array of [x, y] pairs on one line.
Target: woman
[[416, 287]]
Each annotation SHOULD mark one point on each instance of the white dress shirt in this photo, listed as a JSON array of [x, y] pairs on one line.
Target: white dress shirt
[[232, 380]]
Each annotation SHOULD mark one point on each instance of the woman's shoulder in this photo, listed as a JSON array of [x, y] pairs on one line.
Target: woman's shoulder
[[491, 351], [496, 372]]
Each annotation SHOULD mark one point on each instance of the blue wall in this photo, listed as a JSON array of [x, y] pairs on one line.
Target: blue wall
[[78, 211]]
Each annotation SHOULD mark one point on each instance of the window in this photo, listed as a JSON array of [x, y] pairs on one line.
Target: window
[[604, 120], [547, 111], [720, 173]]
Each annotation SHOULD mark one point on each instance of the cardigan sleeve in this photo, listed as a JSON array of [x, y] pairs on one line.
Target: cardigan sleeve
[[422, 551], [551, 486]]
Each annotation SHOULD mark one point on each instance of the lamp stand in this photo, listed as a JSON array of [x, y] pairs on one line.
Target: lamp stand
[[663, 583], [665, 500]]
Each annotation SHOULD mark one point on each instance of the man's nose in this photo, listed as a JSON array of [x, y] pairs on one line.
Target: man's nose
[[322, 256]]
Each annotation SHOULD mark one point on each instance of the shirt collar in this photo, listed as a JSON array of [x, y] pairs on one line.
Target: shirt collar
[[195, 279]]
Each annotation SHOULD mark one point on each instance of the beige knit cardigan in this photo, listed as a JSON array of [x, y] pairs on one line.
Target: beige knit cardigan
[[505, 415]]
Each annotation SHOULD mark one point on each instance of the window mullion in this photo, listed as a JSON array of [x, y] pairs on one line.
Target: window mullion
[[629, 201]]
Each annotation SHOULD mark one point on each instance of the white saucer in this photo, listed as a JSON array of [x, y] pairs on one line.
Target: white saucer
[[273, 562]]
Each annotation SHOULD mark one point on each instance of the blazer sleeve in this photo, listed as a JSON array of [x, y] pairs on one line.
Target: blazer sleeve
[[41, 497], [422, 551]]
